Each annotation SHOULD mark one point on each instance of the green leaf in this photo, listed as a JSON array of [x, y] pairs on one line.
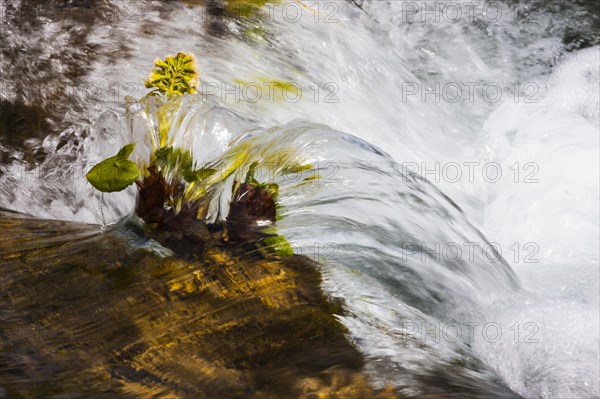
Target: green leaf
[[169, 158], [279, 245], [198, 175], [115, 173], [126, 150], [271, 188], [297, 168], [250, 175]]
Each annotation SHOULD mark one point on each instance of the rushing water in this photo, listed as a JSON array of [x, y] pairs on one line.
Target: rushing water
[[455, 205]]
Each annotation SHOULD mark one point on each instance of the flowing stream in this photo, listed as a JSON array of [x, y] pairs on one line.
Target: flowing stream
[[453, 200]]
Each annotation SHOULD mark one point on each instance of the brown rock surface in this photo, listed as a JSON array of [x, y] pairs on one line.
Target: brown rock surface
[[90, 315]]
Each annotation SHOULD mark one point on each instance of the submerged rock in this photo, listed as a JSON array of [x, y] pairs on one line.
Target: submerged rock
[[92, 315]]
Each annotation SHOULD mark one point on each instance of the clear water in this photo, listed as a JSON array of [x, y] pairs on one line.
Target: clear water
[[429, 299]]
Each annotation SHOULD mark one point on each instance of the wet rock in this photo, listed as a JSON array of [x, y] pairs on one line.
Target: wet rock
[[251, 206], [88, 315]]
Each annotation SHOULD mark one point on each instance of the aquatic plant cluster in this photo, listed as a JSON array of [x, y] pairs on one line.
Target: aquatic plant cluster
[[173, 191]]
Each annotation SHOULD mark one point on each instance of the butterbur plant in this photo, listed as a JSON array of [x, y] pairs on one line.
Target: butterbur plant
[[172, 76], [114, 173], [174, 193]]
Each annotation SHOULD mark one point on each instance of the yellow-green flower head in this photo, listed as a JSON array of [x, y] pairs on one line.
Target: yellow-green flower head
[[175, 75]]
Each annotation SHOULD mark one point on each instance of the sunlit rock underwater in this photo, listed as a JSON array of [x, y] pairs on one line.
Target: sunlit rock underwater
[[293, 199]]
